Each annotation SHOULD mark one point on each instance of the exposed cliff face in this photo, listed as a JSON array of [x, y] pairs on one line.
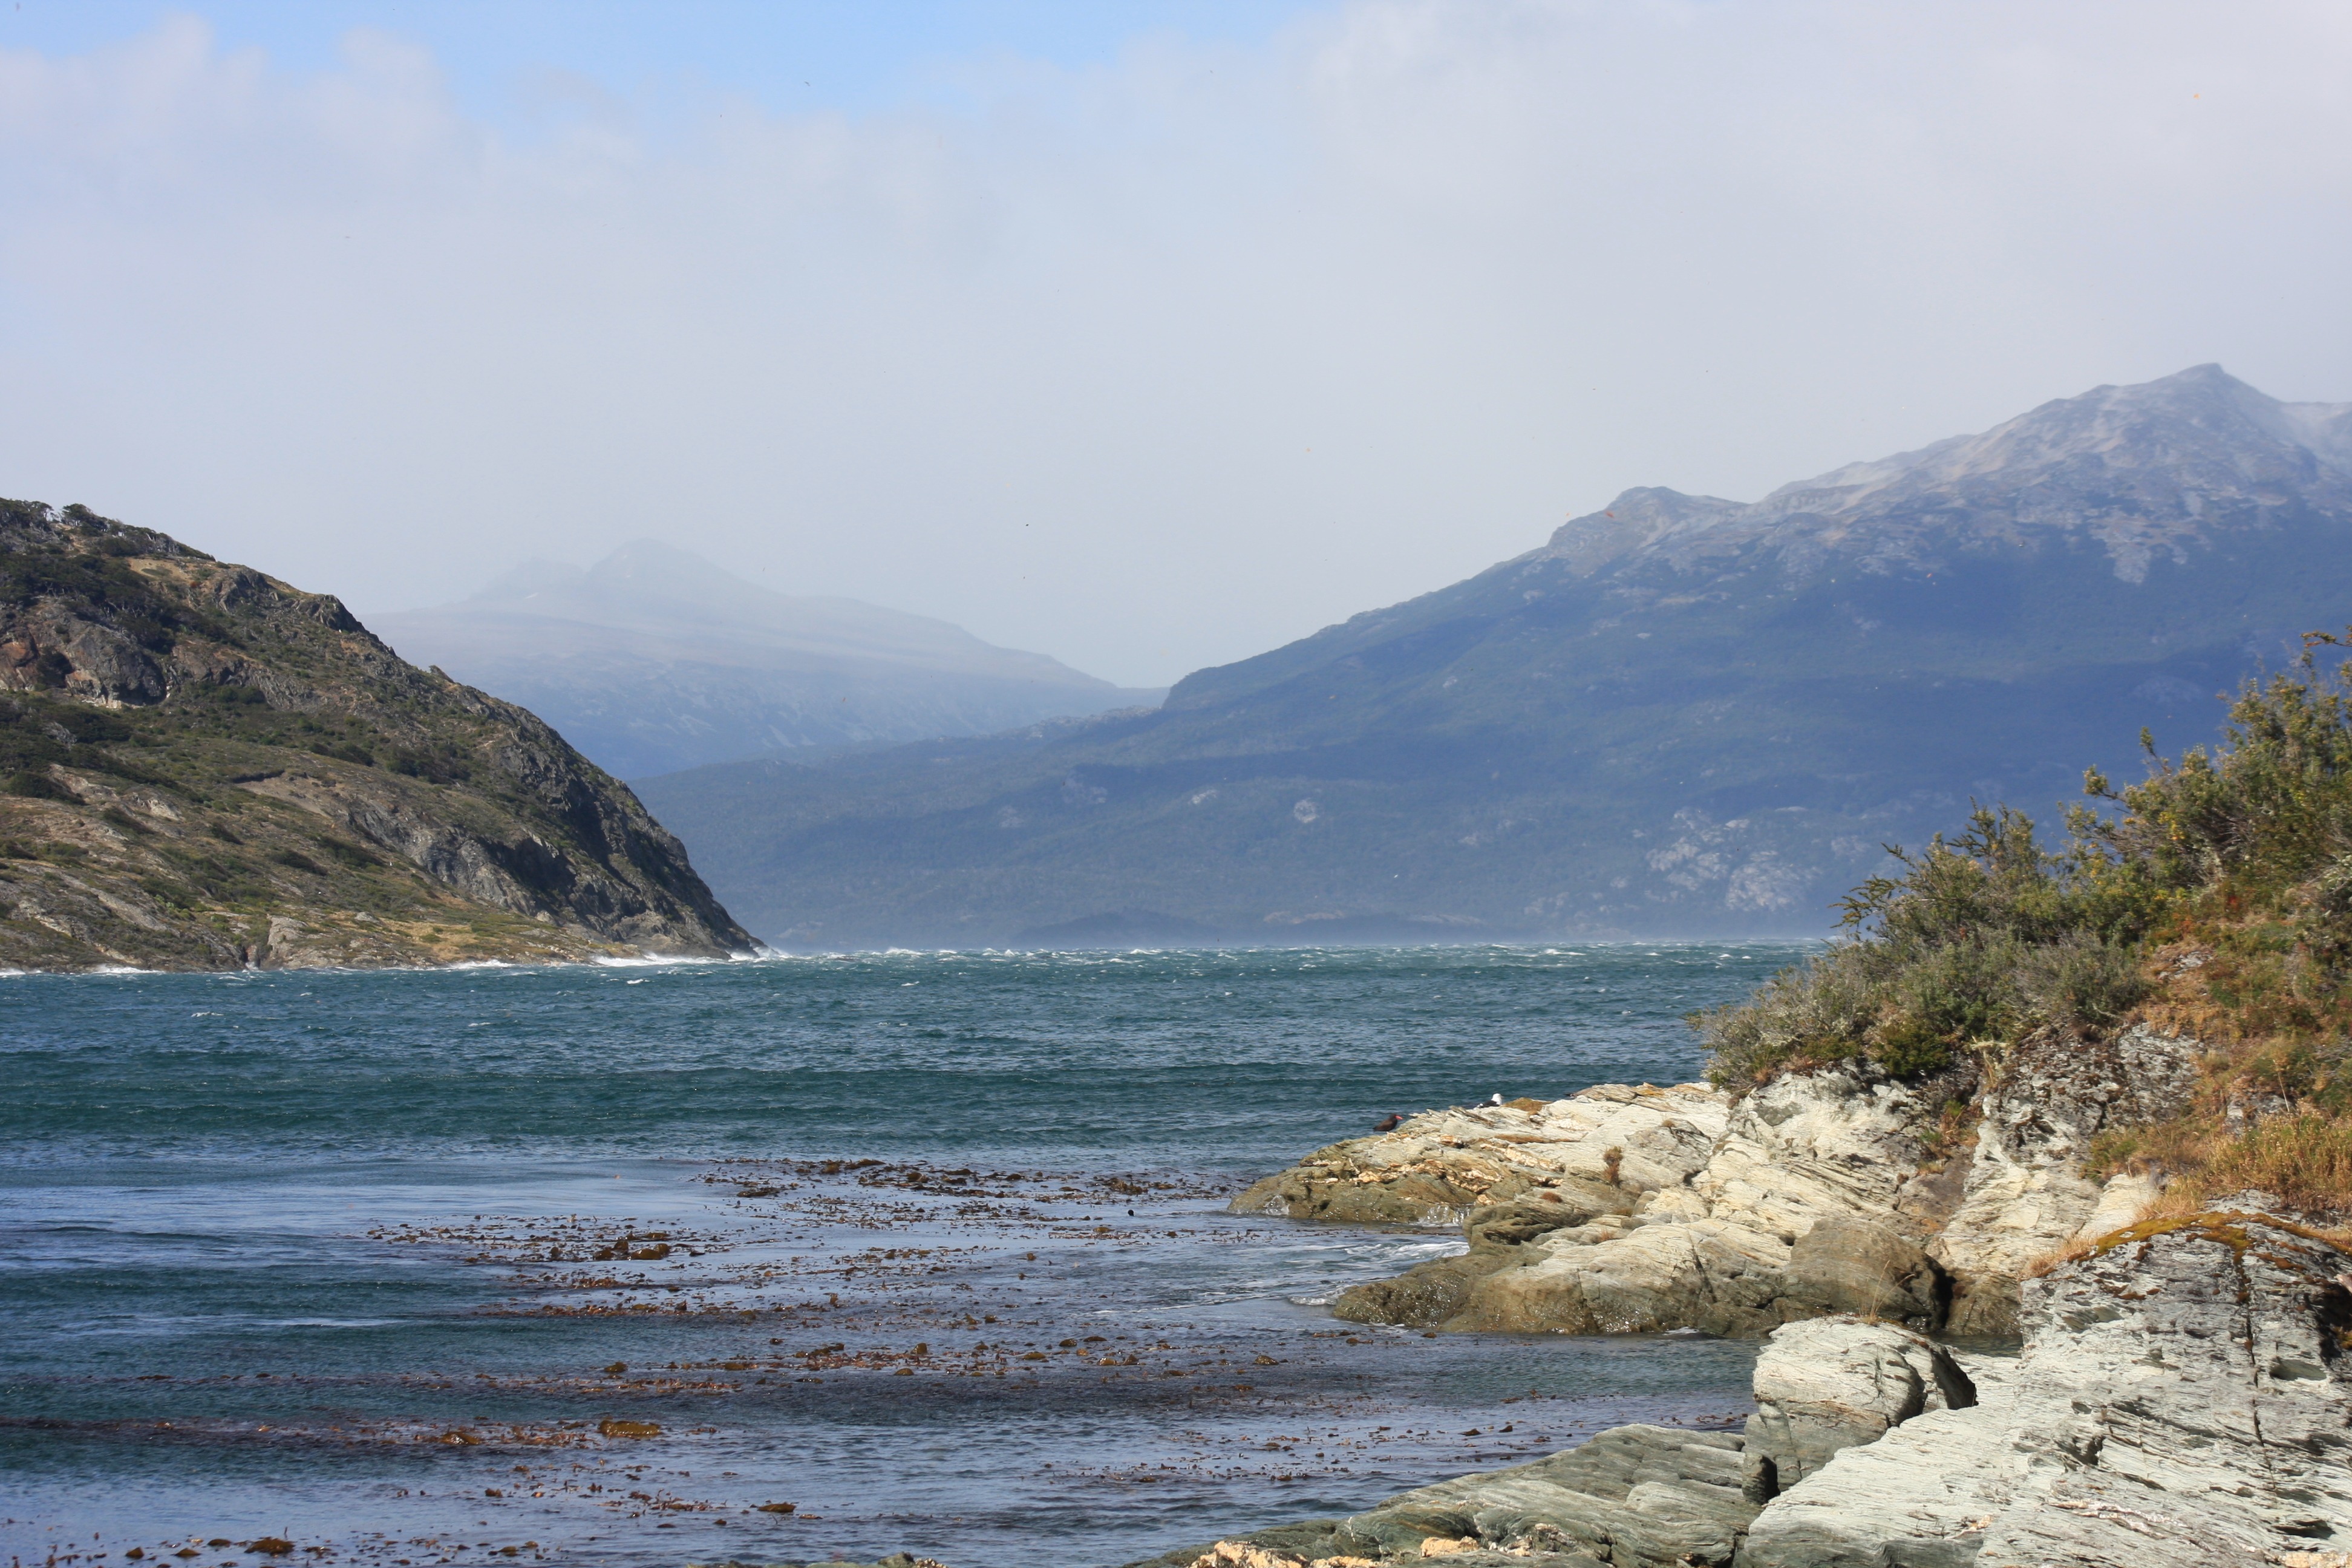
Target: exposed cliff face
[[206, 767]]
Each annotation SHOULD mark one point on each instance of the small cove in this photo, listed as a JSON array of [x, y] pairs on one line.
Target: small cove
[[316, 1255]]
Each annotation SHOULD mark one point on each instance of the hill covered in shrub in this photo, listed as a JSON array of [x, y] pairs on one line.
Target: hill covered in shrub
[[2212, 900]]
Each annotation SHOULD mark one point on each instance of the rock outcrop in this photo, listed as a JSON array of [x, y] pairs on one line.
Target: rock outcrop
[[2025, 1195], [1632, 1210], [1653, 1495], [2183, 1400], [2184, 1397], [1828, 1384]]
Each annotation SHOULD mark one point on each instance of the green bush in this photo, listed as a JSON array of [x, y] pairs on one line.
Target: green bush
[[2241, 850], [1981, 937]]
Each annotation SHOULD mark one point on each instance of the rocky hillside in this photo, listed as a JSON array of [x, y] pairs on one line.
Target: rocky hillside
[[1681, 715], [204, 768], [654, 660]]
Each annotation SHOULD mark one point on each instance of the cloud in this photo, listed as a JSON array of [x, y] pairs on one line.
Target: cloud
[[1152, 365]]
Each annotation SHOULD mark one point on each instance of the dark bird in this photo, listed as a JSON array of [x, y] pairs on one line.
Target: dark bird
[[1387, 1124]]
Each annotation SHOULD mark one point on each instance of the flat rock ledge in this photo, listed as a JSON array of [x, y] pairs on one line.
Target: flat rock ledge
[[1635, 1209], [2183, 1399]]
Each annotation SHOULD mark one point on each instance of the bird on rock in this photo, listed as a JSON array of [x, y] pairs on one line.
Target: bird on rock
[[1387, 1124]]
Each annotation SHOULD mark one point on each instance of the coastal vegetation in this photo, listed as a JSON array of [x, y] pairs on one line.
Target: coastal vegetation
[[2213, 900]]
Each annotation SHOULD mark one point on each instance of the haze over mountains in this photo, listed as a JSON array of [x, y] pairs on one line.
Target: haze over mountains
[[655, 659], [1680, 715]]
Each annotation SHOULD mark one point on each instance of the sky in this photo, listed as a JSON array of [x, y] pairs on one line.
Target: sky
[[1149, 335]]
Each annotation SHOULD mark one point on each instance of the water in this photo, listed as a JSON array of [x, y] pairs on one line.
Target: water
[[317, 1255]]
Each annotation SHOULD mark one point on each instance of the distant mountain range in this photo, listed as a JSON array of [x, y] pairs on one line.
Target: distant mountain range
[[1680, 715], [654, 660]]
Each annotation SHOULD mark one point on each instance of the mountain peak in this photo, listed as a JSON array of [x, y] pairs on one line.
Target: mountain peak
[[2144, 469], [644, 564]]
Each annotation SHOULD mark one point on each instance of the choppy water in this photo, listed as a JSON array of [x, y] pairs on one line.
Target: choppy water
[[315, 1256]]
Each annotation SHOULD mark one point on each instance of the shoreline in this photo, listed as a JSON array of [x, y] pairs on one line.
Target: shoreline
[[612, 961], [1877, 1437]]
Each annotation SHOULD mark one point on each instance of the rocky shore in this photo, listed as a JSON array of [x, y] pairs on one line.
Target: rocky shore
[[1639, 1209], [2180, 1390], [2183, 1396]]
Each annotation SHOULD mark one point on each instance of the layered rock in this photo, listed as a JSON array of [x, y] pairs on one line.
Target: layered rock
[[1653, 1495], [1628, 1210], [2026, 1196], [2183, 1399], [1569, 1160]]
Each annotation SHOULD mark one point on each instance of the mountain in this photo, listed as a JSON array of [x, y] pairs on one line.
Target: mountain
[[206, 768], [654, 660], [1680, 715]]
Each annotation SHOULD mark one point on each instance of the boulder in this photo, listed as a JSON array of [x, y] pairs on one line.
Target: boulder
[[1850, 1265], [1827, 1385]]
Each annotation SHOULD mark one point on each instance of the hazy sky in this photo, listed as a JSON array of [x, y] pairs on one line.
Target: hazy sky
[[1148, 336]]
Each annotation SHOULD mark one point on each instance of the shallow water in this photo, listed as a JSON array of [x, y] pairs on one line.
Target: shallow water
[[315, 1256]]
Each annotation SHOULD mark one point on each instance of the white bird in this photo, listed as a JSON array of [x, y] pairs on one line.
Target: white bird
[[1495, 1099]]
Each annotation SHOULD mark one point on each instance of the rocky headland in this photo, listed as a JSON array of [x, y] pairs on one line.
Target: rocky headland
[[2093, 1104], [203, 767], [1639, 1209]]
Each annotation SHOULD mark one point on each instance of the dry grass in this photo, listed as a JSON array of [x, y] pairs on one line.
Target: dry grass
[[2303, 1161]]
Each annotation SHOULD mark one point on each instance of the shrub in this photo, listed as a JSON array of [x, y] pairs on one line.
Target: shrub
[[2214, 898], [1984, 936]]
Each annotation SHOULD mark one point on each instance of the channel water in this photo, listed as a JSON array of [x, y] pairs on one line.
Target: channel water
[[771, 1262]]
